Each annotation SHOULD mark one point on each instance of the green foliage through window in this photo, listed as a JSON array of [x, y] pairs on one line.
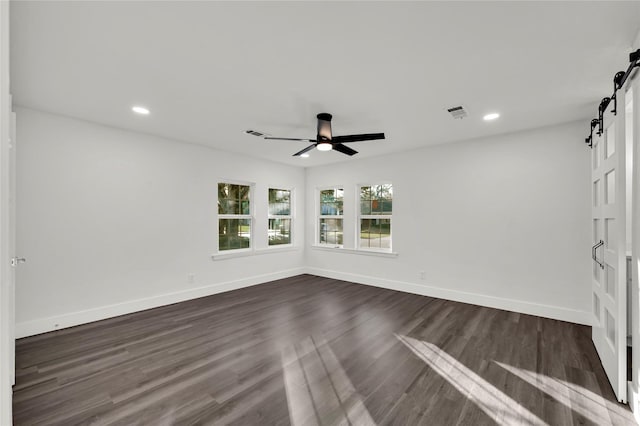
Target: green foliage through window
[[234, 222], [376, 200], [331, 202], [331, 231], [234, 234], [279, 202], [375, 233], [376, 208], [233, 199], [279, 231]]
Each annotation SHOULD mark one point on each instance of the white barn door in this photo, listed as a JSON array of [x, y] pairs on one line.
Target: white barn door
[[609, 247]]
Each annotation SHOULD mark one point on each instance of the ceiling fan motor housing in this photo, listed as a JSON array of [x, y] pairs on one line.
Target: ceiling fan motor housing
[[324, 126]]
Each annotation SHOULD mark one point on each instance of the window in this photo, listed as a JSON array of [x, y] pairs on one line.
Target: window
[[234, 216], [279, 216], [331, 213], [376, 205]]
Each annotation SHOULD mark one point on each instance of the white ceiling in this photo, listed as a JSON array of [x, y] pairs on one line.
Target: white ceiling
[[209, 70]]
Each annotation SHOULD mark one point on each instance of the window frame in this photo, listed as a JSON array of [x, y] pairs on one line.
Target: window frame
[[361, 216], [249, 217], [290, 217], [320, 216]]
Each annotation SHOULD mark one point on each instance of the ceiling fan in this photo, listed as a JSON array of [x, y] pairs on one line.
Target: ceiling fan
[[324, 140]]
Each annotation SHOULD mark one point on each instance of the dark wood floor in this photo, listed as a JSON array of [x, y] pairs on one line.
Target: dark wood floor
[[315, 351]]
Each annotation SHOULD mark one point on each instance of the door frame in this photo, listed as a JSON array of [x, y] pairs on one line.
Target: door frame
[[6, 270], [634, 395]]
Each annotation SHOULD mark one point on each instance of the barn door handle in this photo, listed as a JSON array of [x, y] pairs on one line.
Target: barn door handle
[[15, 261], [594, 253]]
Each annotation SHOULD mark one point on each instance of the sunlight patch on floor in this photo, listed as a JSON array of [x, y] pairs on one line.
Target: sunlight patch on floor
[[318, 389], [492, 401], [583, 401]]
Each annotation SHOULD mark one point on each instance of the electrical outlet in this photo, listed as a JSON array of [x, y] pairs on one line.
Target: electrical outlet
[[422, 275], [191, 278]]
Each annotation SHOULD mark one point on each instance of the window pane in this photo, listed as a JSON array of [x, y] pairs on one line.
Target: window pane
[[244, 207], [234, 234], [223, 199], [365, 193], [365, 206], [233, 199], [233, 192], [375, 233], [376, 199], [243, 192], [226, 206], [223, 190], [279, 231], [331, 231], [279, 202], [331, 201]]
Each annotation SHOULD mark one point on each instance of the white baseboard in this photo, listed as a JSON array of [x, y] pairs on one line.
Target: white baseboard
[[43, 325], [546, 311]]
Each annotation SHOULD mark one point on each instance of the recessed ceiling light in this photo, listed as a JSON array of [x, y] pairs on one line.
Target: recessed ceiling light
[[325, 146], [140, 110], [491, 116], [305, 155]]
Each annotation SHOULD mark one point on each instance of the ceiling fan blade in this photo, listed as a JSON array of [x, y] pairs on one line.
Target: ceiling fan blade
[[309, 148], [288, 139], [358, 138], [344, 149]]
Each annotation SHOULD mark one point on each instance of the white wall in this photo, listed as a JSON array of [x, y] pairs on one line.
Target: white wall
[[112, 221], [502, 222]]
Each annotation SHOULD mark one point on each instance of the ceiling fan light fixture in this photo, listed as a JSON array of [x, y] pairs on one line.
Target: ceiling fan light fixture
[[140, 110], [324, 146]]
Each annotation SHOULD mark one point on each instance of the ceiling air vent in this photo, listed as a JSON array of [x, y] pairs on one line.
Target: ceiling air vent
[[254, 133], [457, 112]]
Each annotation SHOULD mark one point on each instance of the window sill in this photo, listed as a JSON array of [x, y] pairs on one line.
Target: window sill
[[246, 253], [354, 251]]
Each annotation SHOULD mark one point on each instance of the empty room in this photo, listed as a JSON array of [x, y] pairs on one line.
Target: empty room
[[319, 213]]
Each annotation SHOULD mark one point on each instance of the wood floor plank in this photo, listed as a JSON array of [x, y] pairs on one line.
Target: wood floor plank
[[314, 351]]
